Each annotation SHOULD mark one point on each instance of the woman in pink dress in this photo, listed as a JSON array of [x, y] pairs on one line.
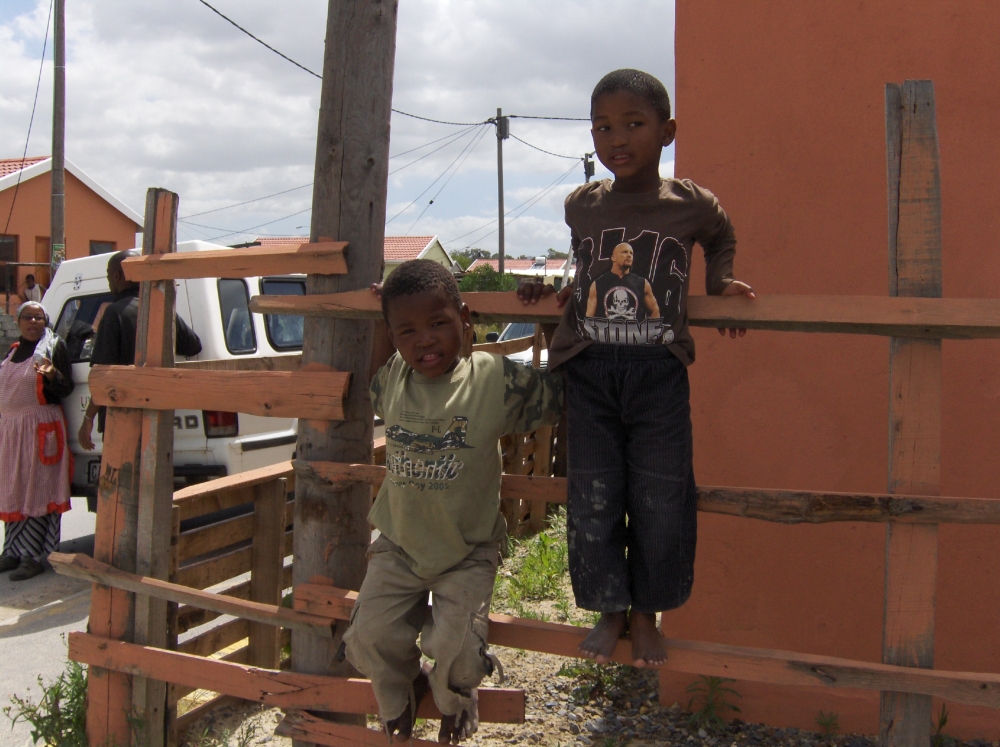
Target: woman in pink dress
[[34, 456]]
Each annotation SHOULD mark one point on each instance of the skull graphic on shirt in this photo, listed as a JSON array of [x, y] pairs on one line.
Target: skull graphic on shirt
[[620, 304]]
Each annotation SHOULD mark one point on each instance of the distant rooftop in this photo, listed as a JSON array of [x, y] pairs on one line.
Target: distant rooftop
[[13, 165], [523, 264], [397, 248]]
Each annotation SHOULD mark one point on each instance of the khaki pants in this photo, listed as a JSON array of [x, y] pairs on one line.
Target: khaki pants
[[391, 612]]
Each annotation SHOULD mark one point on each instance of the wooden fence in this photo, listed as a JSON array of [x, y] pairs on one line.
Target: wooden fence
[[128, 651]]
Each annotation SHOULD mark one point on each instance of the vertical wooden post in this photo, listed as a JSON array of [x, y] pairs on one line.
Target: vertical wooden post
[[352, 157], [109, 694], [543, 446], [173, 738], [266, 561], [914, 199], [154, 346]]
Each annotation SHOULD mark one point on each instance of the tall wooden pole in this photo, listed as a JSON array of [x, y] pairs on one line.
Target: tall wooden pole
[[352, 156], [503, 130], [57, 229], [914, 199]]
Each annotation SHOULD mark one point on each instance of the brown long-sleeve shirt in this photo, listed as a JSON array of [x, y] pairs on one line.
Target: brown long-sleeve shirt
[[633, 260]]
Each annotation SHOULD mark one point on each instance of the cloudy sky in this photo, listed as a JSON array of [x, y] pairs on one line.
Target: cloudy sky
[[169, 94]]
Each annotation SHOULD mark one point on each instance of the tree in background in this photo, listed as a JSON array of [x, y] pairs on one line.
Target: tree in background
[[466, 257], [553, 254], [485, 278]]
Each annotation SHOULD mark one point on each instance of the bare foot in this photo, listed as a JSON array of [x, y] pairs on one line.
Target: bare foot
[[402, 726], [456, 728], [648, 647], [600, 644]]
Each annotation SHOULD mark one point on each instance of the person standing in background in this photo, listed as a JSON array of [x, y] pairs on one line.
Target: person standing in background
[[34, 458], [32, 291]]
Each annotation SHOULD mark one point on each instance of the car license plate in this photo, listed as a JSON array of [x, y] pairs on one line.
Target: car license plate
[[93, 471]]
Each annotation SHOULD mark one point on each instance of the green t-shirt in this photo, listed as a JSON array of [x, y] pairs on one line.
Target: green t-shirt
[[441, 495]]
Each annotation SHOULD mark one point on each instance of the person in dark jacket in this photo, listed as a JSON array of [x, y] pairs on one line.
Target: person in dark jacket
[[114, 344], [34, 459]]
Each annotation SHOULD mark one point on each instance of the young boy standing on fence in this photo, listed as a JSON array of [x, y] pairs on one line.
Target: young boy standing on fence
[[625, 347], [438, 509]]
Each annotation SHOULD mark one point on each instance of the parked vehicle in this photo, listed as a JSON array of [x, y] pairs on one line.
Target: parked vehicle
[[207, 443], [517, 330]]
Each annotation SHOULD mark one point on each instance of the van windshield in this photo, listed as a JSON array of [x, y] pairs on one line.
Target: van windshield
[[284, 331], [78, 322], [517, 330]]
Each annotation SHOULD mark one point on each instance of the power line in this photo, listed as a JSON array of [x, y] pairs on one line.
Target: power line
[[537, 195], [245, 202], [454, 138], [468, 152], [419, 147], [260, 225], [27, 139], [438, 121], [559, 119], [426, 189], [542, 150]]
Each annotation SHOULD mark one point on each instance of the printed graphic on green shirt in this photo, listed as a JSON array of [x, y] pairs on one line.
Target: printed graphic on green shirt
[[426, 473], [630, 291]]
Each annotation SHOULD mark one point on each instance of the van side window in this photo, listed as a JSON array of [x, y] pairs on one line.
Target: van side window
[[78, 322], [284, 331], [234, 300]]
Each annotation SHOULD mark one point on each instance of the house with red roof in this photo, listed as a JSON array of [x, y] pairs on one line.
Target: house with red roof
[[397, 249], [96, 220], [550, 270]]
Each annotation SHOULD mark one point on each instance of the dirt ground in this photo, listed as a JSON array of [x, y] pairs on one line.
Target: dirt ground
[[571, 703]]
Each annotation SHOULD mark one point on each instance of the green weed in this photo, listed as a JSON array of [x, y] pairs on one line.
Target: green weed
[[829, 723], [713, 692], [593, 679], [60, 717], [939, 738]]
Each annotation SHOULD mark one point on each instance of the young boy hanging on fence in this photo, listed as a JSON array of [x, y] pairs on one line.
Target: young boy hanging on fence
[[624, 344], [438, 509]]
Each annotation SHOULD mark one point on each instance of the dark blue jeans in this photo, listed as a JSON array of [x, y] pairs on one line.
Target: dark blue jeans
[[632, 512]]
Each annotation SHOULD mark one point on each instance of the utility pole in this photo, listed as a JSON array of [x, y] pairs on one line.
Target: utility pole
[[503, 132], [588, 166], [349, 193], [57, 230]]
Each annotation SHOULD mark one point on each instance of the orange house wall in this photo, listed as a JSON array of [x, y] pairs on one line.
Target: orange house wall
[[88, 218], [780, 110]]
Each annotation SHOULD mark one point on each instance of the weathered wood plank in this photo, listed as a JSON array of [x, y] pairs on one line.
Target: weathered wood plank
[[264, 363], [154, 347], [212, 571], [781, 506], [215, 639], [326, 257], [303, 725], [266, 564], [279, 394], [914, 403], [229, 491], [112, 610], [80, 566], [176, 692], [715, 659], [948, 318], [507, 347], [189, 616], [271, 687], [213, 537]]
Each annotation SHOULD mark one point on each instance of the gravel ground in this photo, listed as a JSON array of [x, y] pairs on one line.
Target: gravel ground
[[570, 703]]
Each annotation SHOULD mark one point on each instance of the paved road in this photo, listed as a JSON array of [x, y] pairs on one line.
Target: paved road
[[34, 617]]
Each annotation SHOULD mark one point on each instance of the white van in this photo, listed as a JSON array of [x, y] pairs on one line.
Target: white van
[[207, 443]]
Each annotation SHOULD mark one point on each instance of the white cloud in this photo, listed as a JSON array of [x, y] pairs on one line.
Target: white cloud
[[169, 94]]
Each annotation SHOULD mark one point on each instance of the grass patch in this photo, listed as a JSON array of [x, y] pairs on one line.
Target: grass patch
[[536, 571]]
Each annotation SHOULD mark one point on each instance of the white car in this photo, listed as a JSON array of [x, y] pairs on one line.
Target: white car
[[207, 443], [516, 331]]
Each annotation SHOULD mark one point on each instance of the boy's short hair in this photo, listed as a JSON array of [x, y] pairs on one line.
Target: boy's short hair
[[636, 82], [419, 276], [29, 277]]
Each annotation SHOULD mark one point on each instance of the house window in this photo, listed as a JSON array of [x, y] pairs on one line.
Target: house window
[[101, 247], [8, 253]]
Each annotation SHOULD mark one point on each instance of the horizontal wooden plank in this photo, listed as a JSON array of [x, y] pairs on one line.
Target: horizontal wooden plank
[[781, 506], [229, 491], [175, 691], [206, 573], [189, 617], [273, 688], [81, 566], [507, 347], [216, 638], [953, 318], [279, 394], [323, 258], [222, 534], [312, 729], [264, 363], [699, 657]]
